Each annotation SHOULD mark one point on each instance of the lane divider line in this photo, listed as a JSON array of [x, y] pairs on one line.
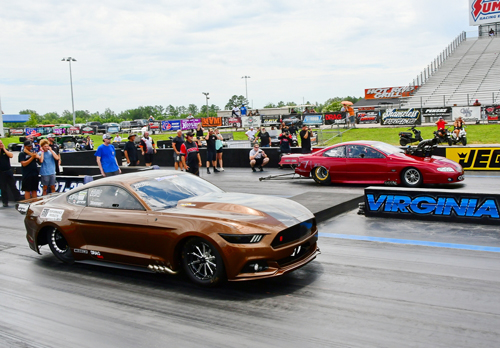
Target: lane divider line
[[412, 242]]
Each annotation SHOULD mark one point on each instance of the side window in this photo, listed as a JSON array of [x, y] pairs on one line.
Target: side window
[[112, 197], [361, 151], [337, 152], [372, 153], [78, 198]]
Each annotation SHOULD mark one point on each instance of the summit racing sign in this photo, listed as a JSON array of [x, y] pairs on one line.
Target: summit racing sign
[[389, 92], [484, 12], [433, 205], [401, 117]]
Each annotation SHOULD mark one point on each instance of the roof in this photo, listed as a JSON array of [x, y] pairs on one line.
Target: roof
[[16, 118], [380, 103]]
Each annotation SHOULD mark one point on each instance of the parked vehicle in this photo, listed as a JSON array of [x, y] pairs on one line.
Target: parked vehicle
[[442, 136], [460, 139], [406, 138]]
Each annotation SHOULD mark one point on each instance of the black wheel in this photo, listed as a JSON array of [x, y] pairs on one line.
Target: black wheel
[[464, 141], [450, 142], [411, 177], [321, 176], [202, 262], [59, 246], [402, 142]]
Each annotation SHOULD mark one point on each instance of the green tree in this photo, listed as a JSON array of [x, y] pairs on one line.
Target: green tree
[[193, 109], [280, 104], [235, 100], [34, 117], [269, 106]]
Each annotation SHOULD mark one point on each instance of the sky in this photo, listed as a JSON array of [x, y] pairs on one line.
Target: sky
[[161, 52]]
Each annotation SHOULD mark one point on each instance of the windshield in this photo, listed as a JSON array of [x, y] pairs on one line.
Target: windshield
[[387, 149], [164, 192]]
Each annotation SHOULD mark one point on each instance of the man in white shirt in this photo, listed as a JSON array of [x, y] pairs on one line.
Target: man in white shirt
[[236, 111], [258, 158], [251, 134], [117, 139]]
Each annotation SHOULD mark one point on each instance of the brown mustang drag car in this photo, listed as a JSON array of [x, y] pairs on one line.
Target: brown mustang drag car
[[166, 221]]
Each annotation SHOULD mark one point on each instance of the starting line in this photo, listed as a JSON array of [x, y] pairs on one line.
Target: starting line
[[412, 242]]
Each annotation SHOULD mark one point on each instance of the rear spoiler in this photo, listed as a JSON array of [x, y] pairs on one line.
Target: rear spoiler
[[23, 206]]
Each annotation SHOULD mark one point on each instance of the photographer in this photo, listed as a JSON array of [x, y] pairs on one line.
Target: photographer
[[305, 139], [27, 158], [258, 158]]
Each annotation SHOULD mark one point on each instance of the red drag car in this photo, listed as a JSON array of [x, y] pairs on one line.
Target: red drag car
[[374, 162]]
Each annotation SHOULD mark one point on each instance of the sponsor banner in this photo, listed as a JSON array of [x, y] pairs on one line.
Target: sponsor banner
[[366, 108], [59, 131], [270, 120], [475, 158], [190, 123], [16, 131], [441, 205], [389, 92], [225, 121], [31, 131], [492, 113], [211, 122], [234, 121], [170, 125], [88, 130], [484, 12], [74, 130], [63, 183], [335, 118], [444, 112], [316, 119], [468, 113], [368, 116], [401, 117], [250, 121]]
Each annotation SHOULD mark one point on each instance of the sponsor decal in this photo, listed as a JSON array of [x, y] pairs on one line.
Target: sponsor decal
[[88, 130], [270, 120], [211, 121], [433, 205], [484, 11], [52, 214], [191, 123], [401, 117], [14, 131], [475, 158], [63, 184], [80, 251], [444, 112], [313, 119], [335, 118], [389, 92], [492, 113], [59, 131], [250, 121], [468, 113], [368, 116], [170, 125], [234, 121]]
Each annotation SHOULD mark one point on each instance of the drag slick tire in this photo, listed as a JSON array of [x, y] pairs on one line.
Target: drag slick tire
[[59, 246], [411, 177], [202, 262], [321, 176]]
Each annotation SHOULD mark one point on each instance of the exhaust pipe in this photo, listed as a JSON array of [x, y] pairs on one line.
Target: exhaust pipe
[[162, 269]]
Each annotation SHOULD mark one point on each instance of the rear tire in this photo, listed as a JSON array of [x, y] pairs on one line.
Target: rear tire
[[202, 262], [59, 246], [402, 142], [322, 176], [411, 177]]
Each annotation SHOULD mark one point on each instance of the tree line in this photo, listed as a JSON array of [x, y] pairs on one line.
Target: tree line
[[162, 113]]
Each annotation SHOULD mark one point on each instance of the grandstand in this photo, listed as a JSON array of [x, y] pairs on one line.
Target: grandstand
[[467, 70]]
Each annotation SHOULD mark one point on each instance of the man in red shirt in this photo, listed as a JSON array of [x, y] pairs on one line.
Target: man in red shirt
[[441, 126]]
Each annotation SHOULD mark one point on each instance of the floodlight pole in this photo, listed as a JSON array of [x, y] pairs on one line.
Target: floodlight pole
[[70, 59], [246, 87], [207, 97]]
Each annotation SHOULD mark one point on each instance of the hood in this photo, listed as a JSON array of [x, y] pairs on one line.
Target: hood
[[288, 212]]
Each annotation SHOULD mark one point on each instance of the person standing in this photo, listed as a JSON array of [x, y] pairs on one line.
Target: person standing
[[258, 158], [48, 161], [176, 145], [191, 155], [243, 110], [105, 157], [148, 149], [265, 138], [199, 133], [130, 151], [305, 139], [211, 151], [52, 138], [6, 176], [350, 111], [251, 135], [27, 158], [219, 148]]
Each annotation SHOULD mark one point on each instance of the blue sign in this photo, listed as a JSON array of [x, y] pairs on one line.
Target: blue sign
[[170, 125], [29, 131], [313, 119]]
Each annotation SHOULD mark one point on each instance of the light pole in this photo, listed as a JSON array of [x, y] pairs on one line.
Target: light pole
[[246, 87], [70, 59], [206, 96]]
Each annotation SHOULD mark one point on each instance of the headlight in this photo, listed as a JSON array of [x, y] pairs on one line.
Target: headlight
[[242, 238], [446, 169]]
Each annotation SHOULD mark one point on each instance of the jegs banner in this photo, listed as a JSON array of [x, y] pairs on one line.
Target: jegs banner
[[484, 12], [475, 158], [401, 117]]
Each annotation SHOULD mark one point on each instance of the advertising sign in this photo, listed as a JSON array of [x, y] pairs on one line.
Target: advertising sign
[[492, 113], [441, 205], [191, 123], [16, 131], [435, 113], [88, 130], [470, 114], [59, 131], [368, 116], [211, 122], [335, 118], [250, 121], [170, 125], [74, 130], [234, 122], [31, 131], [401, 117], [270, 120], [63, 183], [475, 158], [484, 12], [389, 92], [313, 120]]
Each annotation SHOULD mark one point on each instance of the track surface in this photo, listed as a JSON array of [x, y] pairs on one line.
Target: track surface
[[356, 294]]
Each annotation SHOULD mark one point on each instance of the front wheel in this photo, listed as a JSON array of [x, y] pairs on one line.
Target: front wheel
[[450, 142], [411, 177], [59, 246], [321, 176], [464, 141], [202, 262]]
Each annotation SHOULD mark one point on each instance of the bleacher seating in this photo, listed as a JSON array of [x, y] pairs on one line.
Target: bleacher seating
[[471, 72]]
